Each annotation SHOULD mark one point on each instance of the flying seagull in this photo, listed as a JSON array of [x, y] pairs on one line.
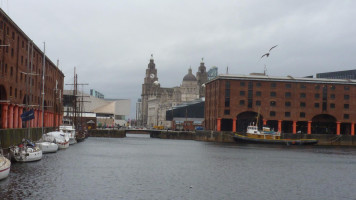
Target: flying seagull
[[267, 54]]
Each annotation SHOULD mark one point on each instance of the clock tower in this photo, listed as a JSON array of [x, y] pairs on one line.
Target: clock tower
[[150, 78]]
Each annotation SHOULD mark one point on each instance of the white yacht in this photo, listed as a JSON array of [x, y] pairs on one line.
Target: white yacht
[[60, 138], [47, 147], [70, 130]]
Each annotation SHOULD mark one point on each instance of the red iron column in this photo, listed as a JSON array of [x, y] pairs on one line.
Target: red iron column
[[20, 120], [11, 117], [4, 116], [219, 124], [45, 119], [16, 117], [234, 125], [294, 127], [36, 118], [280, 126], [309, 127], [264, 122], [338, 128], [352, 129]]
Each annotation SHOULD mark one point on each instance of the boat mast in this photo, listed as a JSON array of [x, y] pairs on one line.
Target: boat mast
[[43, 81], [258, 117]]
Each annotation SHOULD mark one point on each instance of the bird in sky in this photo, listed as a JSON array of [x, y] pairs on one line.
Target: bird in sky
[[267, 54]]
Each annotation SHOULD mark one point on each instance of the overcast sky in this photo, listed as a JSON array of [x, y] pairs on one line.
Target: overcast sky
[[110, 42]]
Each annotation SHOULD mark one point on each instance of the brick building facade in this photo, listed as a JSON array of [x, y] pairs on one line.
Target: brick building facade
[[21, 64], [286, 104]]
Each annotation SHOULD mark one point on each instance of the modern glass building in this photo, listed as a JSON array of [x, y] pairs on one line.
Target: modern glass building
[[348, 74]]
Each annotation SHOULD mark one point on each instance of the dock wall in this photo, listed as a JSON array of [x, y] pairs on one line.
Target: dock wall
[[9, 137], [111, 133], [213, 136], [210, 136]]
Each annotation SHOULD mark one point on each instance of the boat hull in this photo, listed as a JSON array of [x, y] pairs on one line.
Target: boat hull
[[26, 155], [47, 147], [246, 139], [5, 165], [63, 145], [72, 141]]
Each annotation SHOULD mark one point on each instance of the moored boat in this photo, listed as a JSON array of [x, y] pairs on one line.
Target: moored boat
[[5, 165], [266, 136], [70, 130], [47, 147], [25, 152], [60, 138]]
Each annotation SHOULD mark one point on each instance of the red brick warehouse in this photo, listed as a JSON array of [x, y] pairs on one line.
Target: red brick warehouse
[[21, 64], [286, 104]]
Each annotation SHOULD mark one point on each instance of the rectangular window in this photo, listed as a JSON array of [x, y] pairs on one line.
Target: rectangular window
[[332, 105], [302, 86], [302, 104], [249, 95], [258, 103], [316, 105], [346, 106], [273, 94], [249, 103], [227, 93], [272, 113], [227, 85], [317, 87], [287, 114], [302, 95], [333, 87], [346, 88], [288, 94], [273, 85], [242, 93], [346, 96], [287, 104], [332, 96], [242, 83], [258, 84], [227, 102], [302, 114], [226, 112], [288, 85], [317, 96], [258, 93], [242, 102], [324, 106], [272, 103], [250, 85], [346, 116]]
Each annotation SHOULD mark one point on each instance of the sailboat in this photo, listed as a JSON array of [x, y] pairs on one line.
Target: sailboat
[[26, 151], [52, 141]]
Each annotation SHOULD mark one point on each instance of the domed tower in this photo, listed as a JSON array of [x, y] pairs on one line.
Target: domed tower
[[149, 80], [189, 88], [202, 77]]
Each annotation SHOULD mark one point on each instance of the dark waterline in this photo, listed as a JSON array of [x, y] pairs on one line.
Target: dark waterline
[[139, 167]]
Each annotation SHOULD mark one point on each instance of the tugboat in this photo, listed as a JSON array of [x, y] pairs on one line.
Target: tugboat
[[268, 136]]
